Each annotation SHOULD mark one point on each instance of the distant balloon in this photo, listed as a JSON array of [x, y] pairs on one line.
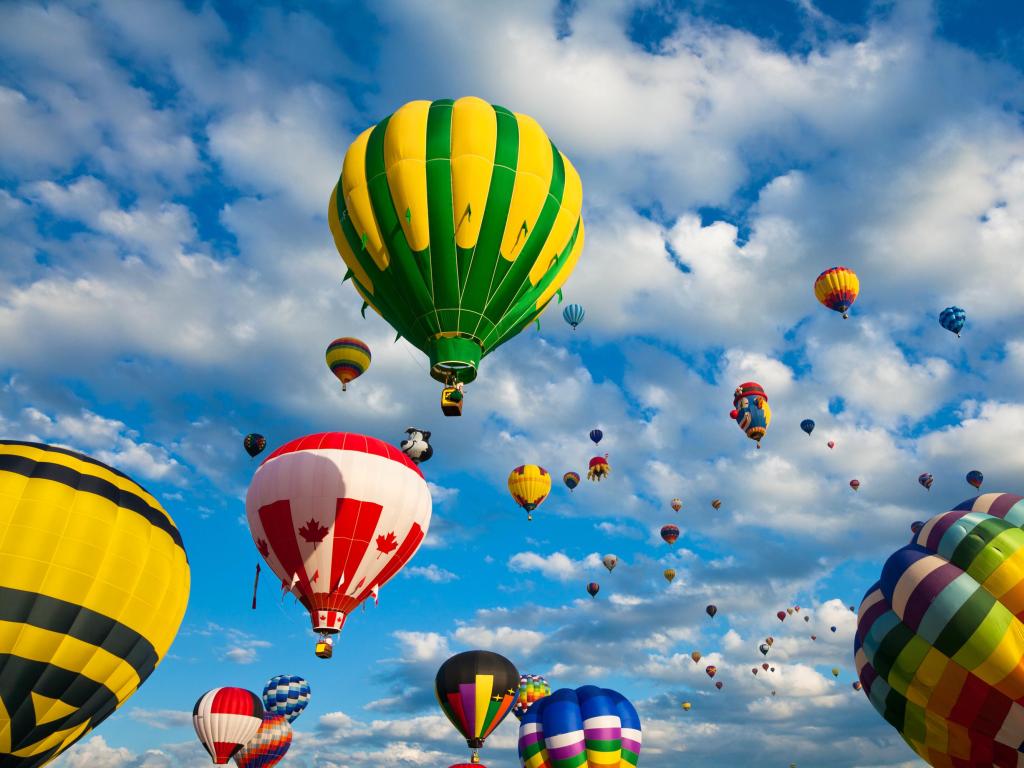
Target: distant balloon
[[833, 629], [676, 504], [926, 480], [837, 288], [593, 588], [718, 685], [814, 637], [254, 444], [573, 315], [695, 655], [598, 468], [669, 574], [286, 695], [596, 435], [764, 648], [831, 444], [789, 611], [750, 410], [807, 618], [835, 671], [670, 533], [716, 503], [975, 478], [348, 359], [916, 526], [857, 685], [796, 608], [953, 319], [588, 727], [781, 615], [855, 484], [686, 705], [225, 720], [571, 480], [711, 610], [807, 425], [609, 562], [529, 485], [770, 640], [764, 667], [711, 669], [754, 670]]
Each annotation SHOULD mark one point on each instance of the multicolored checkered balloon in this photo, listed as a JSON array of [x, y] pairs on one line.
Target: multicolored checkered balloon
[[531, 689], [286, 695], [939, 647], [268, 747], [589, 727]]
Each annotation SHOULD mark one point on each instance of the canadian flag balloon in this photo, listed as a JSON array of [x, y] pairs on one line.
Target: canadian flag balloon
[[336, 515]]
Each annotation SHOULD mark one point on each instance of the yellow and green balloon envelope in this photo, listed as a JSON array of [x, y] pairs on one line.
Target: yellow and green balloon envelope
[[588, 727], [939, 647], [458, 221], [93, 586]]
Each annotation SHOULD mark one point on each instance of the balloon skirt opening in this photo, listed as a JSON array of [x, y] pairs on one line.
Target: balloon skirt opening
[[454, 358]]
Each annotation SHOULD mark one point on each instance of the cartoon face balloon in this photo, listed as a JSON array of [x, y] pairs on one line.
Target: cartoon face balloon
[[751, 411]]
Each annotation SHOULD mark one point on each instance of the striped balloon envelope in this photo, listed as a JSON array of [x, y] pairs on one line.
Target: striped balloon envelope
[[939, 646], [226, 719], [532, 688], [837, 288], [269, 746], [573, 315], [93, 588], [348, 359], [476, 690], [529, 485], [286, 695], [588, 727]]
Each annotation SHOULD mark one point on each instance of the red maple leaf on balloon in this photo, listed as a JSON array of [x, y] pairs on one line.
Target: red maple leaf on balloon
[[313, 532], [386, 544], [261, 545]]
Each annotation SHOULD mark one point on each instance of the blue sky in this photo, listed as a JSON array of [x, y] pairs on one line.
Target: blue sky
[[170, 283]]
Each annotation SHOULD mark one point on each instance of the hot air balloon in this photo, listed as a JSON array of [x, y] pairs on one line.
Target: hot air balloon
[[268, 747], [589, 727], [953, 319], [916, 526], [695, 655], [676, 504], [476, 690], [417, 445], [770, 640], [751, 410], [807, 425], [953, 594], [855, 484], [348, 359], [835, 671], [975, 478], [807, 618], [529, 485], [670, 533], [716, 503], [837, 289], [254, 444], [686, 706], [571, 480], [593, 588], [764, 667], [719, 684], [532, 688], [711, 669], [814, 637], [781, 615], [711, 610], [458, 221], [226, 719], [336, 515], [796, 608], [831, 444], [93, 588], [833, 629], [764, 648], [596, 435], [926, 480], [857, 685], [286, 695], [599, 468], [754, 670], [789, 611], [609, 562], [573, 315], [669, 574], [772, 669]]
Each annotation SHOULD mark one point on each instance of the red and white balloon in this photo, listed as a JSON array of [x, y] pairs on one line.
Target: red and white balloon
[[225, 720]]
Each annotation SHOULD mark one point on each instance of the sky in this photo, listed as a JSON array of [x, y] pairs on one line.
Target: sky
[[169, 284]]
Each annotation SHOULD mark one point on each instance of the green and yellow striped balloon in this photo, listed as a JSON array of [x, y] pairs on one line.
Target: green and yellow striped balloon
[[458, 221], [93, 586]]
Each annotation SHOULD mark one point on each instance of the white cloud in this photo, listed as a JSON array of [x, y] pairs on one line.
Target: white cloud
[[557, 565], [431, 573]]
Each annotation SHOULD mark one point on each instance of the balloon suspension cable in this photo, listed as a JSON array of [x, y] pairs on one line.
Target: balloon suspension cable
[[255, 584]]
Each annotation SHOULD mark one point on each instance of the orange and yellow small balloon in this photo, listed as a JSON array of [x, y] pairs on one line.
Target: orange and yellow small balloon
[[837, 288], [348, 359]]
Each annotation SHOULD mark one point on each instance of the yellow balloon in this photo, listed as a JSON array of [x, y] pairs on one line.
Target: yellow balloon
[[529, 486], [94, 581], [669, 574], [687, 705], [837, 288]]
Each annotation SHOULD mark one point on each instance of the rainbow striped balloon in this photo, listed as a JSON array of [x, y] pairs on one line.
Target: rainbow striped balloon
[[837, 288], [589, 727], [268, 747], [939, 647], [348, 359], [531, 689]]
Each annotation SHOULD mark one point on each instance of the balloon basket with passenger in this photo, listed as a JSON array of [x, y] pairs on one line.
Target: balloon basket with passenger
[[324, 648]]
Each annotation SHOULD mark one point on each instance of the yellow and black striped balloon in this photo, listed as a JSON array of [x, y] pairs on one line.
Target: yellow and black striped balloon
[[94, 581]]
